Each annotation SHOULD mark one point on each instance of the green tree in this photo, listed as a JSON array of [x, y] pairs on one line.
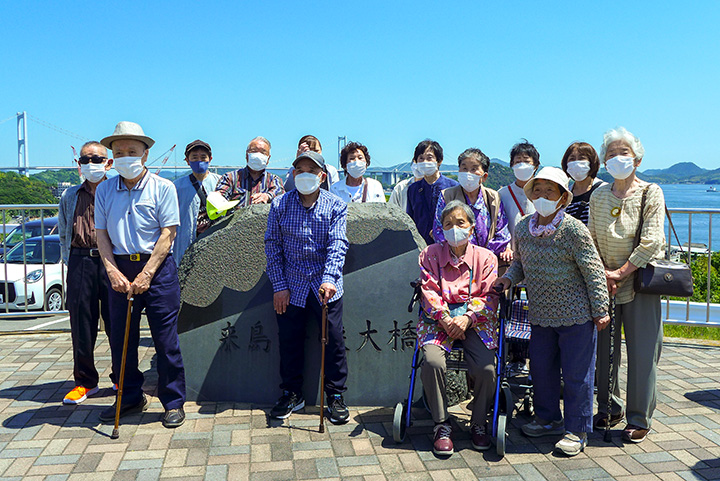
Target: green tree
[[18, 189]]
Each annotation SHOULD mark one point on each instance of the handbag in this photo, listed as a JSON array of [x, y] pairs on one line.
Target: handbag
[[662, 276]]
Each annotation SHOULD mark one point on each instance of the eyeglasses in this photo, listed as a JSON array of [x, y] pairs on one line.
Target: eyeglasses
[[95, 159]]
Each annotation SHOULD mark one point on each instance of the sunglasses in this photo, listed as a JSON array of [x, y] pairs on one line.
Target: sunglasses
[[95, 159]]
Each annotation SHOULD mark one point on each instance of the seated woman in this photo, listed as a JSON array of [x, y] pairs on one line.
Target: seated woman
[[458, 304], [568, 298], [491, 229], [354, 159]]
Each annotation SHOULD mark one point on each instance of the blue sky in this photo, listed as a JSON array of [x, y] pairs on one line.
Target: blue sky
[[387, 74]]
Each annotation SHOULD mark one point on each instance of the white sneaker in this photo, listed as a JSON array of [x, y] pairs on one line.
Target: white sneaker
[[572, 444]]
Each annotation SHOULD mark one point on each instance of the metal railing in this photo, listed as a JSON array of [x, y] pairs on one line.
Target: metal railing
[[688, 312], [18, 291], [685, 312]]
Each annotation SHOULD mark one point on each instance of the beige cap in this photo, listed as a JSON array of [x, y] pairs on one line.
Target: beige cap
[[127, 130], [554, 174]]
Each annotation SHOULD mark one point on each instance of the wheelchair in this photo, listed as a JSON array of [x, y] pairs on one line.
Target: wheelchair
[[503, 403]]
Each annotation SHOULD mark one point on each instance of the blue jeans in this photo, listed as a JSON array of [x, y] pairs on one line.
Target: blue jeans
[[569, 350]]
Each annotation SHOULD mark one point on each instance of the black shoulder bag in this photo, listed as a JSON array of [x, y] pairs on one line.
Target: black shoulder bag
[[661, 276]]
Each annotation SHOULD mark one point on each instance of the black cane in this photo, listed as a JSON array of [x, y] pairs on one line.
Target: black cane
[[323, 343], [611, 377]]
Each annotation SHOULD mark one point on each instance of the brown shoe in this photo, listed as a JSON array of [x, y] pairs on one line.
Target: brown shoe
[[480, 438], [600, 420], [443, 445], [634, 434]]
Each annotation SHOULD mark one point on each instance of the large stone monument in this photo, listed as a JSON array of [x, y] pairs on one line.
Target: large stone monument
[[228, 329]]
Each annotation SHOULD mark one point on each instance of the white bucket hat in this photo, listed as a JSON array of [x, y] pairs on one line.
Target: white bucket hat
[[553, 174], [127, 130]]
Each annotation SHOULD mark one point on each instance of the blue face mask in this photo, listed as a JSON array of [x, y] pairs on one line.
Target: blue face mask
[[199, 167]]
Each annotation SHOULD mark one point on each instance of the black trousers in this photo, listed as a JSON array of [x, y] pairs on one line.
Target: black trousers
[[87, 299], [291, 331]]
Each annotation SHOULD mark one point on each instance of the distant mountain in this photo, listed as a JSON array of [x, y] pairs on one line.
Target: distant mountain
[[681, 173]]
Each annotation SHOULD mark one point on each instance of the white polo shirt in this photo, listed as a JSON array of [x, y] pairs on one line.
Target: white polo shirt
[[134, 218]]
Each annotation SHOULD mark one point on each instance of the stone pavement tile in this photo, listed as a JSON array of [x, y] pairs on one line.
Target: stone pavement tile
[[699, 439], [638, 477], [147, 454], [20, 453], [442, 476], [421, 476], [586, 473], [87, 463], [184, 471], [390, 463], [281, 452], [357, 460], [706, 456], [77, 446], [631, 464], [106, 448], [411, 462], [260, 453], [529, 472], [216, 473], [664, 467], [271, 466], [687, 459], [452, 462], [230, 450], [239, 471], [327, 468], [110, 461], [196, 457], [313, 454], [550, 471], [47, 469], [149, 474], [140, 442], [140, 463], [96, 476], [611, 466], [362, 447], [646, 458], [343, 447], [305, 469], [374, 477], [19, 467], [240, 436], [229, 459], [360, 470], [272, 476]]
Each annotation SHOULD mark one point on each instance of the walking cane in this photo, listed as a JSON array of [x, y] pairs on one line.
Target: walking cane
[[610, 374], [323, 342], [118, 403]]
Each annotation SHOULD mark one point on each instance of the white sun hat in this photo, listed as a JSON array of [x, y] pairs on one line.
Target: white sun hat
[[553, 174]]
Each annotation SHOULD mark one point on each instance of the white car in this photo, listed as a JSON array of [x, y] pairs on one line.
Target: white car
[[23, 275]]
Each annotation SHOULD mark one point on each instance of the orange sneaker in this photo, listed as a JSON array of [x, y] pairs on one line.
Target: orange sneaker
[[79, 394]]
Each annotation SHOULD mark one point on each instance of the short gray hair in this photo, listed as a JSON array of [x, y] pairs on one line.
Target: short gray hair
[[261, 139], [620, 133], [454, 205], [90, 143]]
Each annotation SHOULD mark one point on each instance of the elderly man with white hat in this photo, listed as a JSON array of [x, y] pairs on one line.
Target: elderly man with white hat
[[136, 217]]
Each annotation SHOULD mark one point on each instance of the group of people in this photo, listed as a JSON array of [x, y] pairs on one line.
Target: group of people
[[122, 238], [573, 247]]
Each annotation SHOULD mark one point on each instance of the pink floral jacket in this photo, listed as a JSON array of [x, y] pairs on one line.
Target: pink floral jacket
[[448, 280]]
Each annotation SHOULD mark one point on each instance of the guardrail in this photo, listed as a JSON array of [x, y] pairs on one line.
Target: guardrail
[[674, 312], [19, 287]]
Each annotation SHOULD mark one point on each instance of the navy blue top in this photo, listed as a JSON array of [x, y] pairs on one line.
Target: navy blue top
[[422, 199]]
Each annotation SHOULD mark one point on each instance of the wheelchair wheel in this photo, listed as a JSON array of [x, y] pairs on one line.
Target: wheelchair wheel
[[509, 405], [399, 422], [501, 437], [527, 404]]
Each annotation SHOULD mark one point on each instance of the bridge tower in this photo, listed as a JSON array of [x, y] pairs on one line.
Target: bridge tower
[[23, 163], [342, 142]]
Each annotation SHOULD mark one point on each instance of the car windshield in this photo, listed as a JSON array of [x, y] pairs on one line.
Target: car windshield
[[16, 236], [33, 253]]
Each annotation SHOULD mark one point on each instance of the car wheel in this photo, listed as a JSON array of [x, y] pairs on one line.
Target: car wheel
[[53, 299]]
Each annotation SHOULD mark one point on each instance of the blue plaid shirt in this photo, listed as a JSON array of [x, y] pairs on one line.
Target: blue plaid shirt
[[306, 247]]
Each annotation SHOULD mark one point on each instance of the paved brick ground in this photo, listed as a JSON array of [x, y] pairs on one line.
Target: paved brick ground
[[42, 439]]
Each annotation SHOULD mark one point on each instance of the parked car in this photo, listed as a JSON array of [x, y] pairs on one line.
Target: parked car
[[26, 270], [33, 228]]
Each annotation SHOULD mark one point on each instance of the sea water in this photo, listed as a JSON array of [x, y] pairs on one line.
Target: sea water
[[693, 196]]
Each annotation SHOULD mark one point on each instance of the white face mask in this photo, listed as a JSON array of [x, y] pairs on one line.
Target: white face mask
[[416, 171], [257, 161], [93, 172], [457, 236], [469, 181], [578, 169], [523, 171], [129, 167], [546, 207], [427, 168], [356, 169], [620, 167], [307, 183]]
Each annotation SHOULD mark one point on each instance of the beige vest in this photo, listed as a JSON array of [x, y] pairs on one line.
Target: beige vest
[[492, 202]]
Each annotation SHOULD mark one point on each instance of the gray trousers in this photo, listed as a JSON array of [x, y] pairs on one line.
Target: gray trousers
[[643, 326], [481, 367]]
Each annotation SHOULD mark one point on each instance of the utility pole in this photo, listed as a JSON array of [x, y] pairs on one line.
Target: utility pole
[[342, 142], [23, 163]]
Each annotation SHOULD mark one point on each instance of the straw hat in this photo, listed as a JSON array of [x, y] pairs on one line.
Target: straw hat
[[554, 174], [127, 130]]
